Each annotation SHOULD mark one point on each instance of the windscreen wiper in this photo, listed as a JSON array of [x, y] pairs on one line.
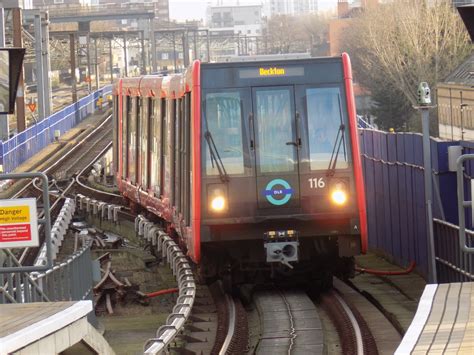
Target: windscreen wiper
[[215, 157], [335, 150]]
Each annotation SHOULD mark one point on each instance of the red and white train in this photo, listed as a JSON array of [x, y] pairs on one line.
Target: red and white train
[[254, 166]]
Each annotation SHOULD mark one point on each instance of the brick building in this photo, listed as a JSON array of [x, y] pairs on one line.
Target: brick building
[[456, 103]]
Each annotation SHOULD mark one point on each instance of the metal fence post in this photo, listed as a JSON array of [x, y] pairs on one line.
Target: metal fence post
[[463, 204], [432, 277]]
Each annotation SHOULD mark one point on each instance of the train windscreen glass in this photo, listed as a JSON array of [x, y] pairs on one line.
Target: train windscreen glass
[[274, 115], [327, 128], [222, 129]]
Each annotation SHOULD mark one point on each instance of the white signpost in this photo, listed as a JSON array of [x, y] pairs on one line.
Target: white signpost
[[18, 223]]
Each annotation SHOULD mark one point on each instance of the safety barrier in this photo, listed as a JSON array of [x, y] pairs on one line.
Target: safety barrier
[[24, 145], [98, 208], [453, 265], [70, 280], [396, 209], [58, 231], [181, 268]]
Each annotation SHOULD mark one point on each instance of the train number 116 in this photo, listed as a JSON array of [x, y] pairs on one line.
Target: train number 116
[[317, 183]]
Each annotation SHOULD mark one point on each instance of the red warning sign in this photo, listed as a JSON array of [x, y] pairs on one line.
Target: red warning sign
[[18, 223], [16, 232], [32, 106]]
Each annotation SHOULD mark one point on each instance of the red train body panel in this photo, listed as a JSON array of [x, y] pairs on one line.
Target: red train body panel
[[169, 164]]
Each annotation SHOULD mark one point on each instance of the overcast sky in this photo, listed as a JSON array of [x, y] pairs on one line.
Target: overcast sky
[[196, 9]]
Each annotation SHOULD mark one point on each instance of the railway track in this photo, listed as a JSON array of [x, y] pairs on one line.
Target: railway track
[[206, 320], [280, 321], [77, 161]]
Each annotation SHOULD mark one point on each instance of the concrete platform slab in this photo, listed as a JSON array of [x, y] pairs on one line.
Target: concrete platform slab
[[444, 321], [47, 328]]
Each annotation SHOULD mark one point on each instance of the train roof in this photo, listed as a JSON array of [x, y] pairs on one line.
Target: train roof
[[176, 85], [173, 86], [272, 60]]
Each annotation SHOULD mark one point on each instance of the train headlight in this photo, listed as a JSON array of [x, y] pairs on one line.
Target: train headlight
[[217, 198], [218, 204], [339, 194]]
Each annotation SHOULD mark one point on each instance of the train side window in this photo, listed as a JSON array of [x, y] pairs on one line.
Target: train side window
[[325, 117], [125, 118], [164, 143], [150, 143], [132, 141], [177, 164], [187, 155], [144, 143], [182, 133], [155, 143], [116, 133], [172, 149]]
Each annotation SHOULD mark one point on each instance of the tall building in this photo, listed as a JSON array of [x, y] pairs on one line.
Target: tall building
[[234, 29], [289, 7], [243, 19]]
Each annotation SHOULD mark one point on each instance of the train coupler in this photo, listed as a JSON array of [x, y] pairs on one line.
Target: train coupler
[[281, 247]]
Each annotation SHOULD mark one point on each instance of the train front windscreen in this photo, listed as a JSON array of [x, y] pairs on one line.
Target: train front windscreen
[[278, 130]]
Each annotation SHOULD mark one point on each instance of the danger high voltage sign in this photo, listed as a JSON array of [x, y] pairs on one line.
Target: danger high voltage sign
[[18, 223]]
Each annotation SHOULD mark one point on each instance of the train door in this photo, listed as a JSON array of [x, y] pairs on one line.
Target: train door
[[276, 143]]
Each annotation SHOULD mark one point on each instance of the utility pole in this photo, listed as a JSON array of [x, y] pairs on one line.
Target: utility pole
[[238, 44], [88, 49], [48, 108], [195, 46], [96, 64], [153, 47], [40, 75], [461, 111], [3, 118], [174, 53], [20, 98], [424, 102], [72, 56], [125, 54], [185, 49], [143, 51], [111, 59], [208, 46]]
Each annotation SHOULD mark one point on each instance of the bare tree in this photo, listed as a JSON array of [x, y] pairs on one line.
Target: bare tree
[[280, 34], [405, 42], [291, 34], [315, 29]]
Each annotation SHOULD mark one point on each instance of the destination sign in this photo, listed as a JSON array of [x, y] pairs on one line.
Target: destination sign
[[270, 72]]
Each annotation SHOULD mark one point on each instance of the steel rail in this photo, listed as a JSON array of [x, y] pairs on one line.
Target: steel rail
[[77, 145], [231, 325], [89, 149], [80, 183], [355, 325], [61, 159]]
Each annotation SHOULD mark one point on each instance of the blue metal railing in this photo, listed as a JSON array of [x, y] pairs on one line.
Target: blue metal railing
[[453, 265], [24, 145]]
